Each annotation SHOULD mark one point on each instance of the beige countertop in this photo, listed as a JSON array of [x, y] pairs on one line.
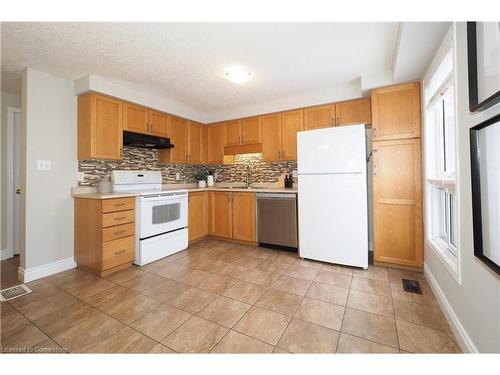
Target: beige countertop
[[92, 193]]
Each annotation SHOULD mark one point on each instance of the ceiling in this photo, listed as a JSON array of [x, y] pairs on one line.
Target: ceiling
[[187, 60]]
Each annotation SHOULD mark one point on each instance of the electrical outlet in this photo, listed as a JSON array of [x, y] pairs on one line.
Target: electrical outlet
[[215, 176], [177, 176], [294, 173], [81, 176], [43, 165]]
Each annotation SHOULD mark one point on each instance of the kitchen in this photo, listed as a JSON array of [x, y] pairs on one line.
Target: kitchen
[[304, 225]]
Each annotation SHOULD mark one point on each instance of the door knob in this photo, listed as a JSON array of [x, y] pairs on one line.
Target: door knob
[[18, 191]]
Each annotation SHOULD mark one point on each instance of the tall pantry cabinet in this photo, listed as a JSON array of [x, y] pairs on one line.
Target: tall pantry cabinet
[[397, 175]]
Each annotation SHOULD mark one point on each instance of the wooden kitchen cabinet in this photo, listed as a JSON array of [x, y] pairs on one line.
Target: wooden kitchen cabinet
[[291, 123], [215, 144], [322, 116], [221, 216], [243, 212], [251, 130], [135, 118], [99, 127], [353, 112], [232, 133], [195, 143], [158, 124], [396, 112], [271, 137], [177, 130], [198, 215], [104, 234], [397, 202]]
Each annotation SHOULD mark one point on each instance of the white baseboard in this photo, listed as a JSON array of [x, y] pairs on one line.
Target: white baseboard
[[35, 273], [5, 254], [456, 326]]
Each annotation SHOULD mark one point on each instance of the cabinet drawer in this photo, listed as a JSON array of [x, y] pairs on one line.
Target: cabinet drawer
[[117, 218], [118, 252], [118, 204], [118, 231]]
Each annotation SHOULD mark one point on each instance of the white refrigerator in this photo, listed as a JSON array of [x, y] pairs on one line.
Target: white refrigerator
[[332, 195]]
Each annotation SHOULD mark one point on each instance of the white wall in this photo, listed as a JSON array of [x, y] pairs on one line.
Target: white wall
[[49, 121], [7, 100], [475, 303]]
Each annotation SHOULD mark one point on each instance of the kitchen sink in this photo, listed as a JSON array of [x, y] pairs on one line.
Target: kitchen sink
[[243, 187]]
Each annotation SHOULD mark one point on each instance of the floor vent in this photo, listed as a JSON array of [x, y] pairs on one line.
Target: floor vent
[[411, 286], [14, 292]]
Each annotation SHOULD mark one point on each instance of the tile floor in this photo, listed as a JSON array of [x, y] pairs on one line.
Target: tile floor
[[224, 298]]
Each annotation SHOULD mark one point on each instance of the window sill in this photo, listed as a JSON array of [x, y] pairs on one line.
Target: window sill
[[449, 261]]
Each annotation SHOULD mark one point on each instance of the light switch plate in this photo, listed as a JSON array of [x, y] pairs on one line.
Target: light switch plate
[[294, 173], [177, 176], [81, 176], [43, 165]]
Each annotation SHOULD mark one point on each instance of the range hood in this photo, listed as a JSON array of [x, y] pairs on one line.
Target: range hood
[[145, 141]]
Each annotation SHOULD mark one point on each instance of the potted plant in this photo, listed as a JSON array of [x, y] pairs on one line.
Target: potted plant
[[201, 177]]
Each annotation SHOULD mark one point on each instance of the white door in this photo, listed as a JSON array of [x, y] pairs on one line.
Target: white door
[[18, 194]]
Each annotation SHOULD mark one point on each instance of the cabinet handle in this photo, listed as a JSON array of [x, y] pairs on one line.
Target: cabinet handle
[[119, 204], [242, 139], [279, 154], [119, 252], [283, 154], [120, 218], [119, 232], [121, 152]]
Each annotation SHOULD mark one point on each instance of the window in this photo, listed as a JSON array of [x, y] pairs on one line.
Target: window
[[441, 202]]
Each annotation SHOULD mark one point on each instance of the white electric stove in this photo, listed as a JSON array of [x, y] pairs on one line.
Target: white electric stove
[[161, 216]]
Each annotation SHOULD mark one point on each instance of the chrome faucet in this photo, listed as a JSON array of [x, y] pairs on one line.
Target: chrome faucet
[[249, 173]]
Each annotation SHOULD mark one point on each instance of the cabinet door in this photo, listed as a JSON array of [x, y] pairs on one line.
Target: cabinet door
[[271, 137], [232, 133], [135, 118], [291, 123], [397, 202], [251, 131], [198, 215], [194, 142], [204, 144], [220, 214], [244, 216], [215, 152], [107, 137], [396, 112], [353, 112], [177, 131], [322, 116], [159, 123]]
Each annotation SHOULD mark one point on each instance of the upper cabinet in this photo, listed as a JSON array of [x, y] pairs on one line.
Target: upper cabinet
[[292, 122], [246, 131], [177, 131], [232, 133], [99, 127], [271, 137], [195, 140], [353, 112], [158, 123], [322, 116], [139, 119], [396, 112], [135, 118], [215, 144]]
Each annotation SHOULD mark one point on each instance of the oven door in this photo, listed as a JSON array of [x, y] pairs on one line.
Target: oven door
[[163, 213]]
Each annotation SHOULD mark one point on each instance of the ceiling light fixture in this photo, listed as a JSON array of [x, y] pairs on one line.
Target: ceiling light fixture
[[237, 74]]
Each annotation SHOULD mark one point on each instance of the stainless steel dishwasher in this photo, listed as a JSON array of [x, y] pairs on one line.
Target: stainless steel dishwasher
[[277, 219]]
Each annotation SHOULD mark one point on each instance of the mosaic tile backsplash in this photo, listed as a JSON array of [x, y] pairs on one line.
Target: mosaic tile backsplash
[[145, 159]]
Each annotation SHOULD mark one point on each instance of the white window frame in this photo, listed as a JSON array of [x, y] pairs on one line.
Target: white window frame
[[435, 176]]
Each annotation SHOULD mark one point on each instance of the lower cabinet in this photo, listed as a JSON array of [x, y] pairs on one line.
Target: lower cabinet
[[221, 216], [397, 202], [232, 215], [198, 215], [104, 234]]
